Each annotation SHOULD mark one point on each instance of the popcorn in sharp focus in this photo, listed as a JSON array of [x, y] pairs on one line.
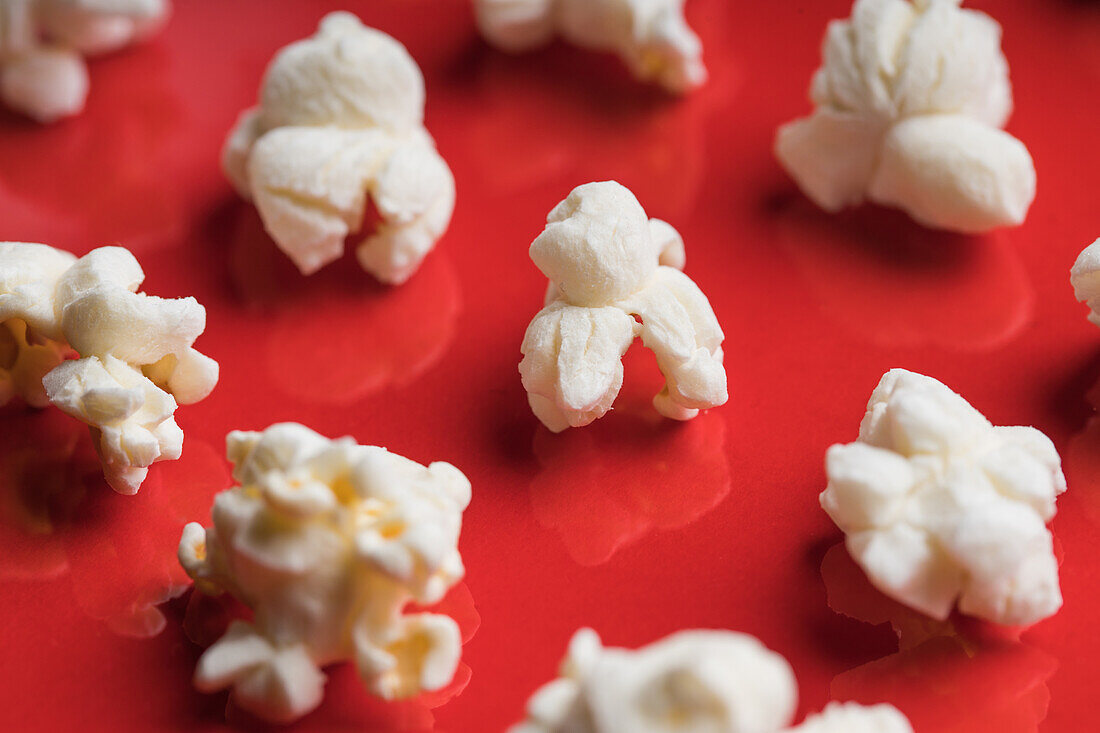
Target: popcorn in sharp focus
[[42, 72], [328, 541], [341, 121], [604, 258], [910, 101], [651, 36], [135, 360], [1085, 279], [700, 681], [939, 506]]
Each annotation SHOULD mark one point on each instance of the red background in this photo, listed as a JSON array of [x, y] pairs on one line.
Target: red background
[[634, 526]]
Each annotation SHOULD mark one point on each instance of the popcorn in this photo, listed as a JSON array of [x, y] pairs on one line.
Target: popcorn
[[135, 360], [909, 101], [328, 541], [713, 681], [940, 506], [651, 36], [341, 118], [42, 74], [1085, 278], [609, 282]]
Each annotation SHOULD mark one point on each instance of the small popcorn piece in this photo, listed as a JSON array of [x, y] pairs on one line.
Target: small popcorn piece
[[697, 680], [341, 124], [1085, 279], [910, 99], [42, 72], [135, 360], [604, 258], [941, 507], [651, 36], [328, 541]]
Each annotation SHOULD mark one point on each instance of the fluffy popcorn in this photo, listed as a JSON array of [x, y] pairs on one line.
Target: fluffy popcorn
[[651, 36], [340, 125], [613, 276], [939, 506], [910, 101], [327, 541], [134, 356], [42, 72], [1085, 278], [699, 681]]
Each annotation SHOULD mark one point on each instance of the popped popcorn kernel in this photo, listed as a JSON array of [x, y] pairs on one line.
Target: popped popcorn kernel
[[327, 542]]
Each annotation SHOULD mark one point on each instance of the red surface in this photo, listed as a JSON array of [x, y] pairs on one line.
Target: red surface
[[634, 526]]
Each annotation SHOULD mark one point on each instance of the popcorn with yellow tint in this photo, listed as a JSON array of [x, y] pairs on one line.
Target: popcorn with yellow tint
[[651, 36], [135, 357], [327, 542]]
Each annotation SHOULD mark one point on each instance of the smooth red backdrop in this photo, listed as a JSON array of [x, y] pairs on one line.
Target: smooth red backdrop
[[634, 526]]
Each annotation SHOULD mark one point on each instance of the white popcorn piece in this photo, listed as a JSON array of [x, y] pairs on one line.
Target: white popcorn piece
[[42, 72], [651, 36], [941, 507], [1085, 279], [135, 356], [603, 258], [340, 125], [327, 541], [910, 99], [699, 680]]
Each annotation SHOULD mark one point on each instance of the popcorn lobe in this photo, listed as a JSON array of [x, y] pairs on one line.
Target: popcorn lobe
[[341, 120], [910, 99], [328, 541], [604, 257], [941, 507], [1085, 279]]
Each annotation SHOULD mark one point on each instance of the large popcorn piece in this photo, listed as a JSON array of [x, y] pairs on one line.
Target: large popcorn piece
[[690, 682], [341, 120], [42, 72], [939, 506], [135, 360], [328, 541], [910, 101], [1085, 278], [614, 274], [651, 36]]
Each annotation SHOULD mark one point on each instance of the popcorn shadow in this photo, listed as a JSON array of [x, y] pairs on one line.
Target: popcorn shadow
[[560, 115], [885, 278], [347, 706], [367, 335], [628, 474], [956, 676], [59, 521], [104, 167], [1081, 456]]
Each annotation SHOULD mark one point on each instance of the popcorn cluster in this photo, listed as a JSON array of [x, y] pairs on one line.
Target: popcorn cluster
[[42, 72], [940, 506], [341, 119], [910, 100], [701, 681], [135, 360], [651, 36], [1085, 279], [613, 275], [328, 541]]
